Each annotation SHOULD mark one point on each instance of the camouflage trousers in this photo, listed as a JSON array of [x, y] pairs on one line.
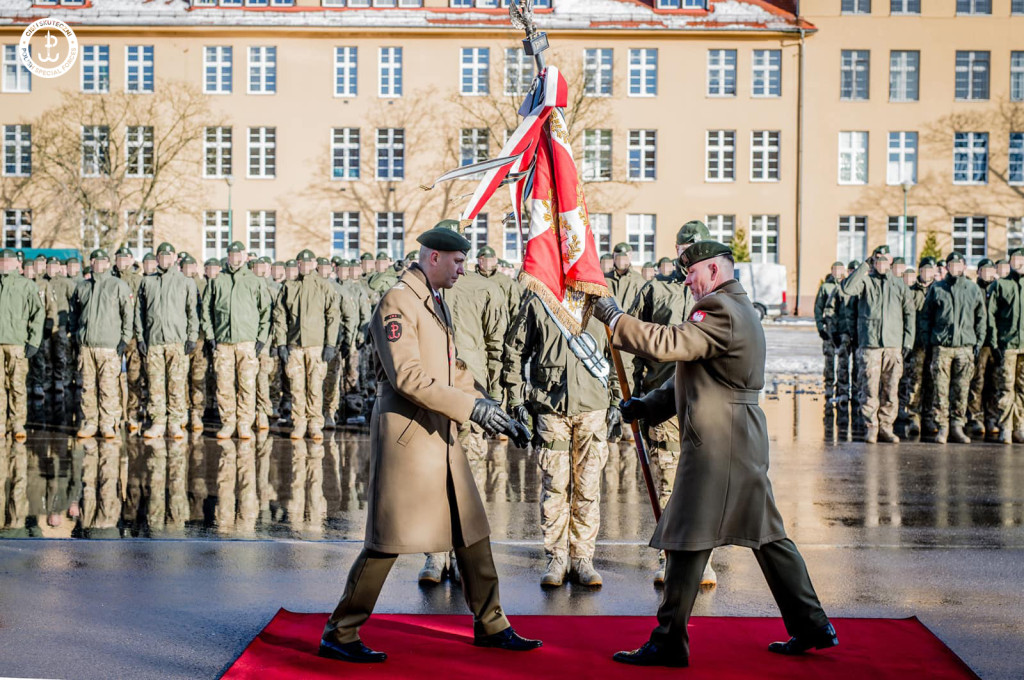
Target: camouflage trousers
[[236, 367], [951, 371], [572, 459], [134, 381], [332, 385], [101, 485], [665, 450], [911, 390], [166, 368], [837, 368], [198, 367], [13, 392], [14, 502], [264, 381], [981, 403], [1010, 390], [101, 374], [883, 368], [306, 370]]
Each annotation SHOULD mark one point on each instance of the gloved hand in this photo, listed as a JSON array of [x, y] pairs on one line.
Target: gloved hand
[[330, 351], [845, 339], [143, 347], [488, 415], [282, 353], [519, 434], [614, 422], [259, 347], [190, 347], [211, 346], [31, 351], [606, 310], [633, 409], [824, 335], [522, 414], [121, 347]]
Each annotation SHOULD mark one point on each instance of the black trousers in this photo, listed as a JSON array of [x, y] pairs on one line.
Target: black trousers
[[783, 568]]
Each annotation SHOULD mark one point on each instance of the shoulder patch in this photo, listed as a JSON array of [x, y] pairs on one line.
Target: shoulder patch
[[698, 316], [393, 331], [389, 317]]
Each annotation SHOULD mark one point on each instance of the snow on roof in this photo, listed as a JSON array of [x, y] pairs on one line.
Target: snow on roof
[[750, 15]]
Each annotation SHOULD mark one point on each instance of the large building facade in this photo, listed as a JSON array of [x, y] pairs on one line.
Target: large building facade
[[312, 123]]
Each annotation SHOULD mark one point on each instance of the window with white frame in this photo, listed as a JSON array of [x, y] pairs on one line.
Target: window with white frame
[[721, 73], [1015, 174], [905, 6], [597, 155], [390, 153], [389, 66], [96, 224], [474, 71], [263, 232], [970, 237], [513, 242], [217, 152], [1014, 233], [970, 157], [764, 239], [1017, 76], [720, 153], [854, 75], [474, 145], [138, 68], [17, 78], [391, 234], [345, 153], [601, 226], [852, 238], [17, 150], [853, 157], [904, 80], [345, 72], [17, 228], [95, 68], [1017, 7], [216, 233], [597, 72], [138, 149], [855, 7], [643, 72], [721, 228], [95, 150], [974, 6], [139, 227], [972, 75], [476, 234], [766, 73], [643, 154], [519, 70], [262, 152], [345, 234], [640, 235], [901, 166], [902, 237], [217, 69], [262, 70], [764, 155]]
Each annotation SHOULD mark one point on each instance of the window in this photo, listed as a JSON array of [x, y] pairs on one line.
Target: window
[[766, 77], [902, 239], [263, 232], [139, 226], [1017, 76], [217, 70], [721, 156], [390, 70], [95, 150], [391, 234], [597, 72], [475, 71], [601, 226], [643, 72], [902, 160], [345, 153], [970, 157], [138, 148], [262, 152], [721, 227], [643, 152], [721, 73], [854, 75], [345, 72], [904, 70], [17, 150], [1016, 159], [513, 243], [640, 234], [1014, 233], [17, 228], [217, 152], [856, 7], [853, 157], [974, 6], [216, 233], [262, 70], [476, 233], [519, 68], [95, 68], [17, 78], [474, 145], [345, 234], [970, 237], [972, 75], [138, 68], [390, 153], [764, 239], [905, 6], [597, 155], [682, 4], [764, 156], [1017, 7], [96, 225], [852, 241]]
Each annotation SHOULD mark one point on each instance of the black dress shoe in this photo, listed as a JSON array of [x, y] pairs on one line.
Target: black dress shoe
[[650, 654], [822, 638], [507, 639], [353, 652]]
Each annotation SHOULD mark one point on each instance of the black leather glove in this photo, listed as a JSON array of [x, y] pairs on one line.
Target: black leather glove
[[211, 346], [121, 347], [282, 353], [824, 336], [330, 351], [144, 348], [259, 347], [606, 310], [614, 422], [519, 434], [633, 409], [488, 415], [190, 347], [31, 351], [522, 414]]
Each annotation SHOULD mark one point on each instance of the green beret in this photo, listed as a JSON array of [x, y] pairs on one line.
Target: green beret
[[39, 257], [264, 260], [955, 257], [223, 262], [986, 263], [183, 254], [691, 232], [1016, 251], [365, 256], [853, 264], [99, 254], [73, 259], [305, 256], [664, 260], [212, 262], [236, 247], [648, 265], [837, 263], [87, 270], [926, 262], [337, 260], [166, 248], [486, 251], [383, 256], [277, 263], [1002, 261], [898, 260], [504, 263], [291, 264], [123, 252], [52, 260], [253, 255], [607, 256], [188, 259], [8, 252], [703, 250], [321, 261], [880, 250], [622, 249], [148, 257], [414, 255], [444, 236]]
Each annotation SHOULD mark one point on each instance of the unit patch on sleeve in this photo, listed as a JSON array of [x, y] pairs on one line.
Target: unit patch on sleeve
[[697, 317], [393, 331]]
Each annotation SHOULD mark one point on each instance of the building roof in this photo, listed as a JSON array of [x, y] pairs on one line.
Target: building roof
[[721, 15]]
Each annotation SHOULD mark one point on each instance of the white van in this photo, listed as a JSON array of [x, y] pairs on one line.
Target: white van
[[766, 286]]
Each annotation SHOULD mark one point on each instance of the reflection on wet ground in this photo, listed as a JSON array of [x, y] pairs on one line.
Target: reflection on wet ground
[[831, 492]]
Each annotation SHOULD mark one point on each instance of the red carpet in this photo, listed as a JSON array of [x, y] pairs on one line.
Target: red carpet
[[581, 646]]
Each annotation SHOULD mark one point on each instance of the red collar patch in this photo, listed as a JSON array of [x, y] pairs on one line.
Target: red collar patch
[[697, 316]]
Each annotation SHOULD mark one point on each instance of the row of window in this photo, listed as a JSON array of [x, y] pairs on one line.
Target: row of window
[[479, 4], [972, 72], [963, 7]]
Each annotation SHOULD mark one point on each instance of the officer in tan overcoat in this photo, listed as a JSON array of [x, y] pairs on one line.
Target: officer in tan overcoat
[[722, 495], [422, 497]]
